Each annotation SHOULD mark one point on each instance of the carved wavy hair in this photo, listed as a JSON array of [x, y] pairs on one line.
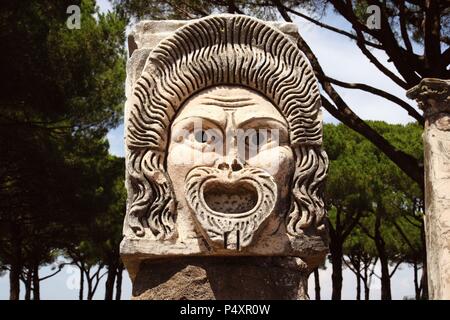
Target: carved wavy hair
[[221, 50]]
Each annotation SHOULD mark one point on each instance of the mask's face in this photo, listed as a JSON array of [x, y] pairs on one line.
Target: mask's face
[[230, 161]]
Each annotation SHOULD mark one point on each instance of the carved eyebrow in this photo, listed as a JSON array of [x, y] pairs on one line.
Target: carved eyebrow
[[194, 118], [263, 119], [228, 102]]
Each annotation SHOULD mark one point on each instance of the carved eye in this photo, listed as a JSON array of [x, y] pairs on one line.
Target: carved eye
[[201, 136], [257, 139]]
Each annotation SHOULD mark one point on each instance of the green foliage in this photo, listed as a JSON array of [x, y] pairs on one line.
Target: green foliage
[[362, 178], [161, 9], [350, 164], [375, 210], [64, 92], [98, 239], [60, 78]]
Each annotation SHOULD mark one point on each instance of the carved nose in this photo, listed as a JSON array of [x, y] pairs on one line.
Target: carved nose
[[228, 164]]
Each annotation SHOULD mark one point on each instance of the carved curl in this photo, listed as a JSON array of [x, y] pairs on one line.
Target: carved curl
[[307, 206], [152, 200], [217, 50]]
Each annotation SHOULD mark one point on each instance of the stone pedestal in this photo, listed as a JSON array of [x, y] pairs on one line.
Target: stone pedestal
[[222, 278], [433, 98]]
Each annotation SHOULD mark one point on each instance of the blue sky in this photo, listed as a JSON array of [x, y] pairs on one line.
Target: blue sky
[[341, 59]]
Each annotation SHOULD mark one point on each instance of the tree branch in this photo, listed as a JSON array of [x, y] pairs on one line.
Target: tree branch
[[183, 11], [412, 222], [361, 86], [60, 267], [386, 38], [97, 280], [445, 39], [377, 63], [328, 27], [233, 8], [395, 268], [352, 225], [366, 231], [403, 28], [349, 265], [403, 235], [432, 34], [446, 57], [343, 113]]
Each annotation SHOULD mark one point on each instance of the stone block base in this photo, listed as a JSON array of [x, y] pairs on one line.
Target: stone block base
[[222, 278]]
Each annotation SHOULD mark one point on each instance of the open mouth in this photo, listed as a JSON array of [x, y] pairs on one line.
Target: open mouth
[[231, 198], [229, 209]]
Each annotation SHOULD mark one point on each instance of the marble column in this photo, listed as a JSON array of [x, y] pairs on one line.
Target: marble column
[[433, 97]]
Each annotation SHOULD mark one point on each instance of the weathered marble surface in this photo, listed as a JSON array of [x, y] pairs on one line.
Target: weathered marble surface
[[223, 148], [219, 278], [146, 35], [433, 96]]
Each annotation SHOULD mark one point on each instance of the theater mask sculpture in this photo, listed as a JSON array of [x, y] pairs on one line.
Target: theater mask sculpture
[[223, 147], [234, 150]]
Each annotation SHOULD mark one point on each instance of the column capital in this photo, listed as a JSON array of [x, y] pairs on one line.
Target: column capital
[[432, 96]]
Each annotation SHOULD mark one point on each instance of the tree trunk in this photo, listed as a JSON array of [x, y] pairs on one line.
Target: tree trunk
[[416, 282], [36, 283], [28, 277], [366, 290], [424, 279], [336, 277], [90, 294], [119, 282], [384, 261], [317, 283], [385, 276], [16, 266], [424, 284], [366, 282], [81, 292], [14, 280], [109, 285], [355, 260], [358, 286]]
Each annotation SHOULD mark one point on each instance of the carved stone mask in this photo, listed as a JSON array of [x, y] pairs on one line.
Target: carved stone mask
[[223, 144], [229, 157]]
